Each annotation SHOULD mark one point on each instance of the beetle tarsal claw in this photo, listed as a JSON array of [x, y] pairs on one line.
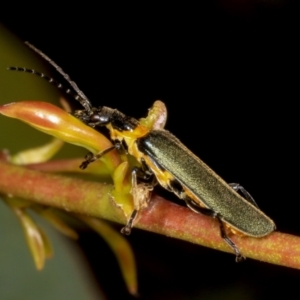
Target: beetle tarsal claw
[[126, 230], [239, 257], [88, 160]]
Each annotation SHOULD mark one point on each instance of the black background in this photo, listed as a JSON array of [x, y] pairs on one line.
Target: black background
[[228, 73]]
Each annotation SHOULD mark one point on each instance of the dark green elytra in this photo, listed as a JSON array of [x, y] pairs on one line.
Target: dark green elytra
[[211, 190]]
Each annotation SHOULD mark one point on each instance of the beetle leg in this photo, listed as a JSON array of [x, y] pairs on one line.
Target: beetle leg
[[126, 230], [144, 173], [90, 157], [238, 256], [238, 188], [200, 210], [141, 193], [208, 212]]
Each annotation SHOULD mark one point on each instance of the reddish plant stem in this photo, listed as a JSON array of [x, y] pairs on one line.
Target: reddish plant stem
[[161, 216]]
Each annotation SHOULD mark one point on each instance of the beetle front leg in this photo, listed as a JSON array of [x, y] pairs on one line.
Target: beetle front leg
[[90, 157], [126, 230], [208, 212]]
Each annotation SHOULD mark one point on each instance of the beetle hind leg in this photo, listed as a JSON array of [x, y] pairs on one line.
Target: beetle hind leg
[[238, 256], [208, 212]]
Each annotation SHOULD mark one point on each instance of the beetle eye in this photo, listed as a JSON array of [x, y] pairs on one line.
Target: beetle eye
[[98, 118]]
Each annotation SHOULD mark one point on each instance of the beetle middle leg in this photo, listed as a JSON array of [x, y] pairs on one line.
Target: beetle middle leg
[[141, 193], [208, 212]]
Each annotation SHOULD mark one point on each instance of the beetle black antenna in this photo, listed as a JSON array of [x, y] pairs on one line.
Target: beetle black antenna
[[83, 99], [50, 80]]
